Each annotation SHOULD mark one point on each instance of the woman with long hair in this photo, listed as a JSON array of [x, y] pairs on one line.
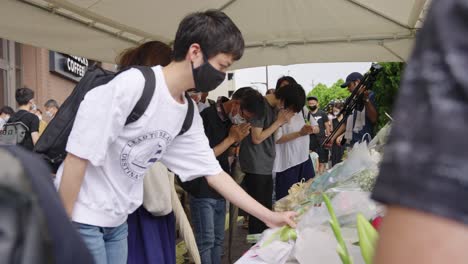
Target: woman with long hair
[[151, 239]]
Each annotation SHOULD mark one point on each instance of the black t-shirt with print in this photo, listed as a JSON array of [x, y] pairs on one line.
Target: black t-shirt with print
[[317, 139], [425, 162], [32, 123]]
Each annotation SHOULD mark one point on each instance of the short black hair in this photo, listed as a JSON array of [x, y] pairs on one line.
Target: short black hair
[[7, 110], [289, 79], [292, 95], [312, 98], [251, 101], [213, 30], [51, 103], [23, 96], [237, 95]]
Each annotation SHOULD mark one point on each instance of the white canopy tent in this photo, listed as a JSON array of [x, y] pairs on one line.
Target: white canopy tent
[[277, 32]]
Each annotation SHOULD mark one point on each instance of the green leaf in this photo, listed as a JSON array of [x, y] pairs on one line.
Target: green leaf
[[335, 226], [368, 237]]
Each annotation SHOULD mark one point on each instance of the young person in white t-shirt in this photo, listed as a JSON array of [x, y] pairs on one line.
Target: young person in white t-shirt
[[292, 161], [100, 181]]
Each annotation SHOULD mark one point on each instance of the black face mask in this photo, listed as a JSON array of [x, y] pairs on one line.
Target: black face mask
[[206, 77], [313, 108]]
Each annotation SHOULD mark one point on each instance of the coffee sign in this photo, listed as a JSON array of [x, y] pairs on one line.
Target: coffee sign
[[70, 67]]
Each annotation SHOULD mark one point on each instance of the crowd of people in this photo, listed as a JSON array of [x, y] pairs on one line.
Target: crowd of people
[[424, 192], [28, 116], [273, 138]]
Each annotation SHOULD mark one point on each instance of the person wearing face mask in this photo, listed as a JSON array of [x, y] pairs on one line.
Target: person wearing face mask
[[337, 149], [101, 179], [42, 123], [359, 123], [225, 123], [51, 108], [204, 102], [195, 95], [292, 160], [25, 99], [257, 151], [316, 139], [5, 113]]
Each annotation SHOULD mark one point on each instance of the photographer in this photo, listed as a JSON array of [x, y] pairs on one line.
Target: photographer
[[359, 123]]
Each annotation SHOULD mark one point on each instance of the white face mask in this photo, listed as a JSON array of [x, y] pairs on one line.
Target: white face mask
[[335, 113], [237, 119], [48, 114], [196, 96], [33, 107], [5, 118]]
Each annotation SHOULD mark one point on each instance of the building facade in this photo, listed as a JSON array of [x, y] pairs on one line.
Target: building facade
[[51, 75]]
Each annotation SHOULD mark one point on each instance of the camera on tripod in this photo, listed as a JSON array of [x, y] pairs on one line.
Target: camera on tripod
[[356, 100]]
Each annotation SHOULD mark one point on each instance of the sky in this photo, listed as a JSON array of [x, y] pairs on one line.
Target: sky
[[308, 75]]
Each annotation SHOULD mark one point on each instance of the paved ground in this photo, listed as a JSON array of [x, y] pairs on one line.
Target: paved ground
[[239, 246]]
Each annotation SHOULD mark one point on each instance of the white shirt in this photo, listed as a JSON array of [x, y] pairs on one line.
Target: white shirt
[[119, 155], [202, 106], [293, 152], [2, 122]]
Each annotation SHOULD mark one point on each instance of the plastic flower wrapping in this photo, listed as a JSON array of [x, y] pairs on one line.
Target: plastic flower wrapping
[[348, 186]]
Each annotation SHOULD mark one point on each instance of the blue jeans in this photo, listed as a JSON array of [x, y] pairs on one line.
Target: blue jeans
[[108, 245], [208, 218]]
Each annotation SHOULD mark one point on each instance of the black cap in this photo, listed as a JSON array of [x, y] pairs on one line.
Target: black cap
[[312, 98], [354, 76]]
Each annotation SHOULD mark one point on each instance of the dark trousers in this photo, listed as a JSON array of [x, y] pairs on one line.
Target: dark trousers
[[286, 179], [337, 154], [260, 187], [208, 218]]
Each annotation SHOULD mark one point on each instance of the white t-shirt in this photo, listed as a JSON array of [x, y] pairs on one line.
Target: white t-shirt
[[119, 155], [294, 152], [2, 122], [202, 106]]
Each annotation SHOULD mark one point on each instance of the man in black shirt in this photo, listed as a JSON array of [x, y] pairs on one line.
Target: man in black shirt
[[25, 100], [226, 123], [316, 139], [5, 113]]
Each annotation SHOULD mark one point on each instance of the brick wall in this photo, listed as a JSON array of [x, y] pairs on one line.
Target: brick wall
[[37, 77]]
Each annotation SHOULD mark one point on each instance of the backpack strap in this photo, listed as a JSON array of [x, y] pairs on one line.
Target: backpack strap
[[145, 99], [189, 117], [16, 120]]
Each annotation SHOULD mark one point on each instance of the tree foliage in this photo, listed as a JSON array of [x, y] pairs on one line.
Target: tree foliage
[[326, 94], [385, 89]]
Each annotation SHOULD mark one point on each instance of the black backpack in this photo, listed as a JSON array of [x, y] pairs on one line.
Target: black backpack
[[53, 141]]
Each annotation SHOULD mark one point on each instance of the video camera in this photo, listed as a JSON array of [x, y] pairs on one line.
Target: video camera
[[356, 100]]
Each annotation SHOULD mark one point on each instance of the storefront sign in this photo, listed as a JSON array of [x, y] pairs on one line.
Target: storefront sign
[[70, 67]]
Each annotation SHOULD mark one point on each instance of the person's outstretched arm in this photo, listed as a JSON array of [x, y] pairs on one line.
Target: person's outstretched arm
[[227, 187]]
